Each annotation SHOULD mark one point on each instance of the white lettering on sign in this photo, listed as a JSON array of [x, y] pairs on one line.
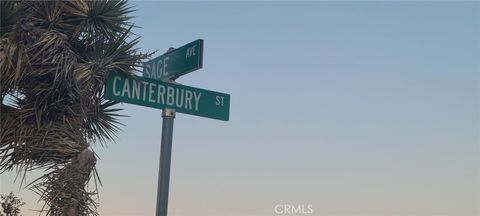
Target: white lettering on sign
[[179, 98], [165, 72], [161, 94], [154, 73], [115, 92], [126, 89], [136, 90], [148, 70], [157, 69], [144, 89], [197, 99], [157, 93], [219, 100], [191, 51], [170, 95], [188, 100], [150, 92]]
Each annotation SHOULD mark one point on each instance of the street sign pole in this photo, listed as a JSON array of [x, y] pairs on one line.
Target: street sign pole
[[168, 116], [157, 89]]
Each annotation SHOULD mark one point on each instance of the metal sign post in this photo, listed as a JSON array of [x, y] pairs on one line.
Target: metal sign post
[[168, 116], [157, 89]]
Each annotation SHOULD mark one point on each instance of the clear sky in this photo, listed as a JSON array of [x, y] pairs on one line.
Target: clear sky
[[356, 108]]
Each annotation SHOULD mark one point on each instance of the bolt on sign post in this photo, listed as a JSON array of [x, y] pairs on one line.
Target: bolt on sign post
[[157, 89]]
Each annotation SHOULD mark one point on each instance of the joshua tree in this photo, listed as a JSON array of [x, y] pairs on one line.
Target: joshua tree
[[54, 57]]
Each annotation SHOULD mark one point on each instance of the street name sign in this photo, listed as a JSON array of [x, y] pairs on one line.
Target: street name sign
[[175, 63], [159, 94]]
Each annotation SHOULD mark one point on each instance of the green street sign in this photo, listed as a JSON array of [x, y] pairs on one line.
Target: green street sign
[[158, 94], [175, 63]]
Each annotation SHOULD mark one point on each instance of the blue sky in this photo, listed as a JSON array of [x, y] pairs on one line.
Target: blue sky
[[357, 108]]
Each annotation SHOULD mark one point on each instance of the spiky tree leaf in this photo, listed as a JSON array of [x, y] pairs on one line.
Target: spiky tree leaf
[[54, 57]]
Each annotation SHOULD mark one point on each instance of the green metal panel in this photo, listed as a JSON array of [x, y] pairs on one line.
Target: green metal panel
[[158, 94], [175, 63]]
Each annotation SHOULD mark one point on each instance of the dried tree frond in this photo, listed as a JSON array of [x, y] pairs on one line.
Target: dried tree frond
[[54, 57]]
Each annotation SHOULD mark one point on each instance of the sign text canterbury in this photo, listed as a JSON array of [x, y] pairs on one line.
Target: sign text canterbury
[[159, 94]]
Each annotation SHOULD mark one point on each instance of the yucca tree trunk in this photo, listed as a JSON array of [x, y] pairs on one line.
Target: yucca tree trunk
[[80, 170], [65, 189]]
